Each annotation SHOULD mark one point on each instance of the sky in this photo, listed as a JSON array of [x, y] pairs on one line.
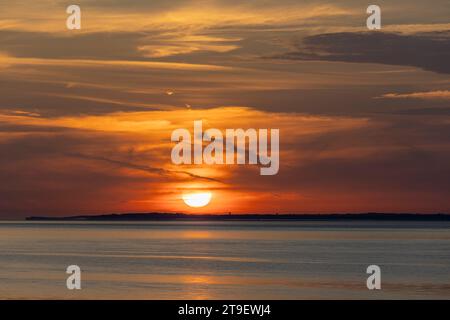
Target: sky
[[86, 115]]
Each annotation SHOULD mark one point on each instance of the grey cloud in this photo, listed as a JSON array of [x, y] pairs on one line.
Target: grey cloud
[[429, 51], [104, 45]]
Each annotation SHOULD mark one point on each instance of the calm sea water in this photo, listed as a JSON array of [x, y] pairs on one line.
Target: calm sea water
[[224, 260]]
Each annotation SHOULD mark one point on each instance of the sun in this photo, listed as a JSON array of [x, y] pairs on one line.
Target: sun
[[198, 199]]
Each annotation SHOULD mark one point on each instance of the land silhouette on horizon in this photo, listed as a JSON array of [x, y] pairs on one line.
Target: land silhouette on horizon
[[158, 216]]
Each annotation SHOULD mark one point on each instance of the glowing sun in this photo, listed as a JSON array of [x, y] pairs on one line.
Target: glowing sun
[[197, 200]]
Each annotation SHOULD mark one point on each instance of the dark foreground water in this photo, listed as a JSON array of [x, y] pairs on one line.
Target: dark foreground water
[[224, 260]]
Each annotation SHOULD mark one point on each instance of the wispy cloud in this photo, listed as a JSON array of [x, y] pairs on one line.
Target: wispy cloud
[[136, 15], [111, 63], [140, 167], [428, 95]]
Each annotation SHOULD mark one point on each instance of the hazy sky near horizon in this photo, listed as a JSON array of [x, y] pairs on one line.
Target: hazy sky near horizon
[[85, 118]]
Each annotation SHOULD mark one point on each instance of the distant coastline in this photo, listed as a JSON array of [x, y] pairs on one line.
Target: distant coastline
[[250, 217]]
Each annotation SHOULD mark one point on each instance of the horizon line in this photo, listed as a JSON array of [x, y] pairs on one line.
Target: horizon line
[[242, 216]]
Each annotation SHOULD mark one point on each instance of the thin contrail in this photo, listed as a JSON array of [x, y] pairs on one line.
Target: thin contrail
[[140, 167]]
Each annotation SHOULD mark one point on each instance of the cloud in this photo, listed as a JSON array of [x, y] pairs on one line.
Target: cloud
[[118, 45], [428, 95], [78, 131], [125, 157], [429, 51], [111, 63], [138, 15], [145, 168]]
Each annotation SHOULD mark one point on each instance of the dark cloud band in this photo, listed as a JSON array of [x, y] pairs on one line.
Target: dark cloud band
[[429, 51]]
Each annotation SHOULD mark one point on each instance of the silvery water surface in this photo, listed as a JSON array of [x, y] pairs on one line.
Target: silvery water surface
[[225, 260]]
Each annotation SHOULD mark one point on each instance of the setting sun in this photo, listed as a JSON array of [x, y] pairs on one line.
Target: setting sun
[[197, 200]]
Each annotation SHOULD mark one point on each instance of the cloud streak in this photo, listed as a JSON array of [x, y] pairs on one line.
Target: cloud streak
[[428, 95], [149, 169]]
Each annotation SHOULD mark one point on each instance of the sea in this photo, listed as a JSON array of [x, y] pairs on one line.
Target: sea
[[285, 260]]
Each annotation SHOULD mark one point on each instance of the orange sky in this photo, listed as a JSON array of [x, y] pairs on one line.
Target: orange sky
[[86, 118]]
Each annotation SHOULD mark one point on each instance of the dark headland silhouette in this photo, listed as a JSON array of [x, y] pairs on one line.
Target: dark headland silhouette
[[250, 217]]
